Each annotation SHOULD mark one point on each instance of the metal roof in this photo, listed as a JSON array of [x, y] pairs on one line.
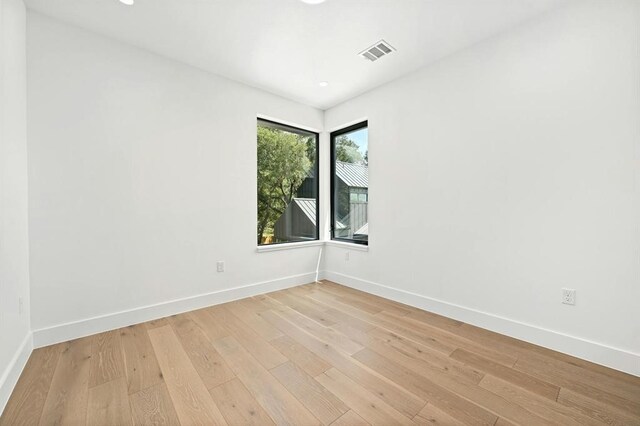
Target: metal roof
[[364, 230], [354, 175], [308, 207]]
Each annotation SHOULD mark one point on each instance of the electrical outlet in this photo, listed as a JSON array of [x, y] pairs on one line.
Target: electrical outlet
[[220, 266], [569, 296], [346, 257]]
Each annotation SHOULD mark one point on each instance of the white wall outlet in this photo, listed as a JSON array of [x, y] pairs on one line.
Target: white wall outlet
[[346, 257], [20, 306], [220, 266], [569, 296]]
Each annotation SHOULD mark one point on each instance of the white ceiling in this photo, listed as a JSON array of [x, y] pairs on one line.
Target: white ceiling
[[287, 47]]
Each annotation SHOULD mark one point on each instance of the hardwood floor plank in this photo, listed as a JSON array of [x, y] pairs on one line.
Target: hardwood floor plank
[[393, 326], [350, 418], [109, 404], [276, 400], [244, 311], [421, 358], [360, 337], [301, 356], [440, 396], [435, 320], [66, 402], [577, 384], [331, 300], [213, 370], [346, 319], [503, 422], [106, 358], [160, 322], [583, 364], [262, 350], [583, 367], [444, 389], [522, 348], [399, 398], [255, 304], [370, 299], [447, 338], [453, 395], [28, 398], [208, 324], [305, 308], [550, 410], [326, 334], [596, 409], [488, 338], [238, 406], [515, 377], [266, 302], [190, 397], [497, 405], [418, 331], [367, 405], [305, 288], [492, 402], [573, 376], [432, 415], [140, 363], [345, 299], [412, 355], [153, 406], [322, 403], [338, 316]]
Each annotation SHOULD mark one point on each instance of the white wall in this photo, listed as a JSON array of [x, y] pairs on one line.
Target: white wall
[[508, 171], [142, 176], [15, 343]]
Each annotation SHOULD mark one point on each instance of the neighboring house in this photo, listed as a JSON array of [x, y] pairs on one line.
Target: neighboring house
[[298, 222], [352, 194]]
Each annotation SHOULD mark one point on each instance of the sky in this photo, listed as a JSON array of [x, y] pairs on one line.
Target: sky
[[361, 138]]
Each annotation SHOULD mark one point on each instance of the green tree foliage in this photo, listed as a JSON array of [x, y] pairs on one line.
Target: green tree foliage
[[348, 151], [284, 161]]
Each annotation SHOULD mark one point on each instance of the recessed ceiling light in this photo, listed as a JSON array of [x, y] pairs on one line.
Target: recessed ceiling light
[[127, 2], [313, 1], [323, 84]]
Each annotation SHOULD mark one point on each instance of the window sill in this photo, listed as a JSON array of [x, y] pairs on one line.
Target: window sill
[[289, 246], [304, 244], [345, 245]]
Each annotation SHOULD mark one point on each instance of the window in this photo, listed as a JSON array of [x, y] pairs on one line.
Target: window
[[287, 184], [350, 184]]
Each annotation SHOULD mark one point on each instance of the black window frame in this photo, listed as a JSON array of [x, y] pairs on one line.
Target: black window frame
[[287, 127], [332, 199]]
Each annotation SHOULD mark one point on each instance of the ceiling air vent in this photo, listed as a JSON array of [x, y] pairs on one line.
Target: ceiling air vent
[[377, 51]]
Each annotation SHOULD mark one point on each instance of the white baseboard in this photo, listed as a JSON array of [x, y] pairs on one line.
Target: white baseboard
[[11, 374], [86, 327], [581, 348], [592, 351]]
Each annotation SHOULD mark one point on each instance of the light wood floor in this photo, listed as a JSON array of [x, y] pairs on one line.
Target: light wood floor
[[316, 354]]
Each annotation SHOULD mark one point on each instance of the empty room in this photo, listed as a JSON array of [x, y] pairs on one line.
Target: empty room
[[319, 212]]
